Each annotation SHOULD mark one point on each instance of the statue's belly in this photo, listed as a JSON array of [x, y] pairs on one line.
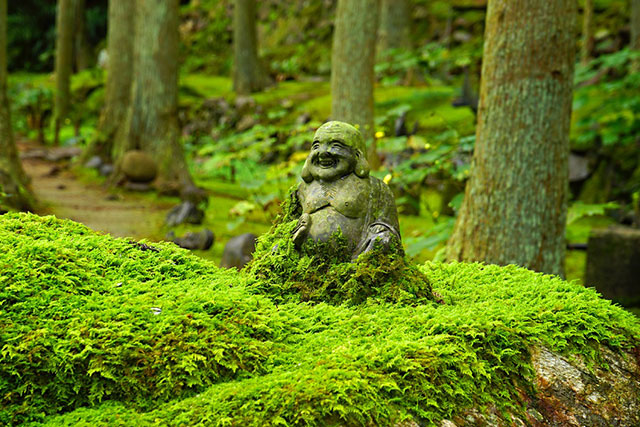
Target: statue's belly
[[325, 222]]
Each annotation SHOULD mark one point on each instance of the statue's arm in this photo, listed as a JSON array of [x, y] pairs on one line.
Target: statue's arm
[[383, 228], [301, 230]]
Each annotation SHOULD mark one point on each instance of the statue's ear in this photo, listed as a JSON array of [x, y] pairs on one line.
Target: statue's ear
[[362, 165], [306, 173]]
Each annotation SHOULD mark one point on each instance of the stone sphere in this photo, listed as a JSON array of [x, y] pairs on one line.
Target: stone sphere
[[138, 166]]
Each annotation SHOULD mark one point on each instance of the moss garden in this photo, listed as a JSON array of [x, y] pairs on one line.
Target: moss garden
[[102, 331]]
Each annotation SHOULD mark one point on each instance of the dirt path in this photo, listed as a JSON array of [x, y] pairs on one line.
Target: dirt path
[[61, 193]]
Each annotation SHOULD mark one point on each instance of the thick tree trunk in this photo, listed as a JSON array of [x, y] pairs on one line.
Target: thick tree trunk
[[515, 202], [635, 33], [249, 75], [80, 43], [64, 56], [395, 22], [353, 58], [14, 188], [151, 124], [587, 32], [120, 37]]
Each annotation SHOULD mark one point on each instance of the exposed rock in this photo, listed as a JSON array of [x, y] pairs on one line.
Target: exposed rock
[[202, 240], [246, 122], [238, 251], [138, 166], [106, 169], [93, 163], [571, 393], [138, 186], [613, 263], [578, 167], [245, 105], [185, 212]]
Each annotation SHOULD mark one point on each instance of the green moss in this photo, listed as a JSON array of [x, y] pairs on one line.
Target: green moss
[[81, 345]]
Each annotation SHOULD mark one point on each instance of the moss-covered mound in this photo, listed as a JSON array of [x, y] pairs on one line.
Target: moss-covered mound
[[102, 331]]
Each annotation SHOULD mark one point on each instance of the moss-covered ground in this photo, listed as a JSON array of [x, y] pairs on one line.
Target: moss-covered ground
[[103, 331]]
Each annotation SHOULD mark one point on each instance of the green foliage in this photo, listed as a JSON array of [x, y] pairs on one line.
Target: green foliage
[[87, 319]]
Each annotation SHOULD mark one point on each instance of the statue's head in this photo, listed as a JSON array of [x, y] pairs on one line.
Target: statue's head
[[337, 150]]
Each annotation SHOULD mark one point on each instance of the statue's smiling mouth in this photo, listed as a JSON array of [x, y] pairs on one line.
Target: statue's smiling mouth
[[326, 162]]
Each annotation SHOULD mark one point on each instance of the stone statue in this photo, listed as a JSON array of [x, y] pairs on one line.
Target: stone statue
[[338, 195]]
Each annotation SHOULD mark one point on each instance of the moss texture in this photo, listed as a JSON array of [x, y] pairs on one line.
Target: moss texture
[[103, 331]]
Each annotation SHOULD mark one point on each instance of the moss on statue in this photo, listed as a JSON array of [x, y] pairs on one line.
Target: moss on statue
[[324, 271], [103, 331]]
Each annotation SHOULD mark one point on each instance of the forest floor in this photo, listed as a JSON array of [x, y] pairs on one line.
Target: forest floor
[[60, 191]]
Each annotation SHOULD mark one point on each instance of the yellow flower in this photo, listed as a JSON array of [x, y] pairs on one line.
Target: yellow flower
[[427, 146], [387, 178], [379, 134]]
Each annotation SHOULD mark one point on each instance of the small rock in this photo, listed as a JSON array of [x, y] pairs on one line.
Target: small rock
[[185, 212], [202, 240], [93, 163], [613, 264], [106, 169], [138, 186], [245, 104], [246, 122], [578, 167], [156, 310], [238, 251], [57, 154], [138, 166]]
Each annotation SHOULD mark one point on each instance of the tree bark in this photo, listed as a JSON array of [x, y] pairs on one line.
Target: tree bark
[[120, 38], [14, 184], [395, 23], [352, 61], [635, 33], [151, 123], [515, 203], [587, 32], [80, 43], [64, 52], [249, 75]]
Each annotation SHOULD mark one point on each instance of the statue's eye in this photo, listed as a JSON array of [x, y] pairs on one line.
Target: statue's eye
[[337, 144], [315, 145]]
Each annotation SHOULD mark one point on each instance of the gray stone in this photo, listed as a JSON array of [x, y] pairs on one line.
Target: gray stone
[[93, 163], [185, 212], [238, 251], [138, 166], [578, 167], [613, 263], [201, 240], [338, 194], [106, 169]]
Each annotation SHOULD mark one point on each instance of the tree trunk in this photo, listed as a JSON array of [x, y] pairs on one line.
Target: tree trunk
[[249, 75], [120, 36], [635, 33], [14, 188], [352, 76], [151, 124], [80, 44], [587, 32], [515, 202], [64, 52], [395, 22]]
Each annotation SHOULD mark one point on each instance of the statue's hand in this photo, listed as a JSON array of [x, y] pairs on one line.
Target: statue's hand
[[377, 234], [301, 230]]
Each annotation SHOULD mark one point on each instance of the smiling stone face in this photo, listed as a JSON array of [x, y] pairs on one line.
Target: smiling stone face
[[336, 151]]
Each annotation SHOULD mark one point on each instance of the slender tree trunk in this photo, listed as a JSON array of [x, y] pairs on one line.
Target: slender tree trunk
[[395, 23], [249, 75], [353, 58], [151, 124], [64, 52], [80, 44], [14, 188], [120, 38], [515, 203], [587, 32], [635, 33]]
